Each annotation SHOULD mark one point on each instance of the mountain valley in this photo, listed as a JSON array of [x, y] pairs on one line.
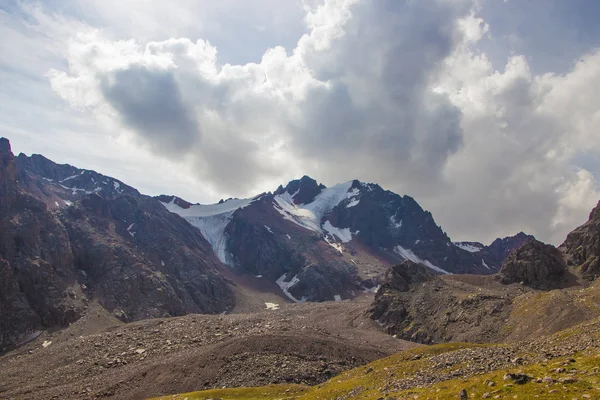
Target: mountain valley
[[348, 291]]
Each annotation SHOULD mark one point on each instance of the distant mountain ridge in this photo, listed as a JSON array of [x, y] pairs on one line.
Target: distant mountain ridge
[[71, 236], [320, 243]]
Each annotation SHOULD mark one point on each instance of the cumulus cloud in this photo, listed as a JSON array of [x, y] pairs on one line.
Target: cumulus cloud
[[394, 92], [346, 92]]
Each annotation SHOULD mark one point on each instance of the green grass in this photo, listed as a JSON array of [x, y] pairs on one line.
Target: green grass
[[370, 382]]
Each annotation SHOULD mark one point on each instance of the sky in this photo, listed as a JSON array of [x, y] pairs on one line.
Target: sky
[[487, 112]]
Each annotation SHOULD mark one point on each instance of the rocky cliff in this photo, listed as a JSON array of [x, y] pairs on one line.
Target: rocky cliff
[[109, 244], [582, 247]]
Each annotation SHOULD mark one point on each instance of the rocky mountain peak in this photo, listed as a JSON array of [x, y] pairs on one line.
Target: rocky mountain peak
[[400, 277], [535, 264], [582, 247], [303, 190], [177, 200], [501, 248], [595, 214], [5, 146], [8, 174]]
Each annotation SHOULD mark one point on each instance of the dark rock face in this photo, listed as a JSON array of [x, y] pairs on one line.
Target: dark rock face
[[179, 201], [582, 247], [392, 305], [536, 265], [138, 258], [125, 251], [401, 277], [303, 190], [416, 305], [262, 243], [60, 184], [501, 249], [385, 220]]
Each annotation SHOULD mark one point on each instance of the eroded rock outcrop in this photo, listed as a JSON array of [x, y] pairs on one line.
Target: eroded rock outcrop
[[582, 247], [535, 264]]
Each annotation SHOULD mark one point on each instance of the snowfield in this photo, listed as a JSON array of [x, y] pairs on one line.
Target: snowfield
[[409, 255], [309, 215], [467, 247], [211, 220]]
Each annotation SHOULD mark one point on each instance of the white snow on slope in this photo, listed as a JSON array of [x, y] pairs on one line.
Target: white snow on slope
[[353, 203], [343, 234], [395, 224], [286, 286], [468, 247], [337, 297], [309, 215], [409, 255], [484, 264], [211, 220], [117, 186], [335, 245]]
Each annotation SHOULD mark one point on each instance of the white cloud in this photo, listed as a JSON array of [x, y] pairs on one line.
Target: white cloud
[[395, 92]]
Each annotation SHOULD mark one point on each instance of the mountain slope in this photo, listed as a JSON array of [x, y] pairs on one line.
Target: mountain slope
[[321, 243], [582, 246], [109, 244]]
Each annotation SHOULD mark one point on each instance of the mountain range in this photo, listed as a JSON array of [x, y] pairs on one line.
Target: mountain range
[[107, 292], [71, 236]]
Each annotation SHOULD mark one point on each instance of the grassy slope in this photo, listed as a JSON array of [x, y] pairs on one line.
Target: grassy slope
[[374, 381], [534, 311]]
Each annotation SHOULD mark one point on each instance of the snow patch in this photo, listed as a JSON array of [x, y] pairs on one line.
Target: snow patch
[[353, 203], [484, 264], [373, 289], [343, 234], [67, 202], [467, 247], [335, 245], [162, 263], [286, 286], [211, 220], [56, 202], [409, 255], [117, 186], [309, 215], [272, 306], [269, 229], [289, 237], [395, 224], [337, 297]]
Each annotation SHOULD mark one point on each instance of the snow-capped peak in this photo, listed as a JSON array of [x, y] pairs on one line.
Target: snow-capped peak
[[211, 219], [310, 215]]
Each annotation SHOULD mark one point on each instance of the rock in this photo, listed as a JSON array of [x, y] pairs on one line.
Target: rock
[[462, 395], [536, 265], [568, 379], [582, 246], [518, 378]]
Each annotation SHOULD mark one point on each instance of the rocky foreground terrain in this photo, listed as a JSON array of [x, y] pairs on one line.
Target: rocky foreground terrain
[[100, 357]]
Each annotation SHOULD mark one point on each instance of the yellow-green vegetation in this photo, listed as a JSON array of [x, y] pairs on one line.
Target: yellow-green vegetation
[[576, 377], [580, 380]]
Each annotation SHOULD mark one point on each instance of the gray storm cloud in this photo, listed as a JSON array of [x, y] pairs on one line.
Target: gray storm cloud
[[392, 92], [149, 101]]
